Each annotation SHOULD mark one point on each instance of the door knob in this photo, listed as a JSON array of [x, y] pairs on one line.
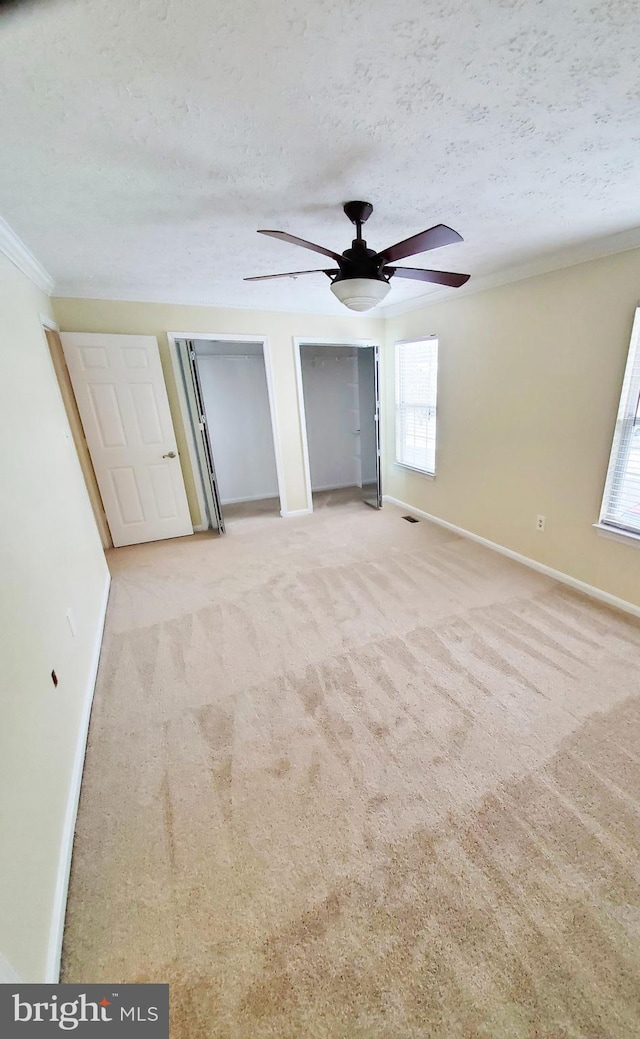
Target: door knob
[[170, 454]]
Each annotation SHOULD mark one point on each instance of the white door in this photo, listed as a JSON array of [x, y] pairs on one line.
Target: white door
[[122, 400]]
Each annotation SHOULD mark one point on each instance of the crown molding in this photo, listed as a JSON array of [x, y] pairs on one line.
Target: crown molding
[[16, 251], [597, 249]]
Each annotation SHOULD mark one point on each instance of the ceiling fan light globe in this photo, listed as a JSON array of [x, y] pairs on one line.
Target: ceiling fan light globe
[[360, 293]]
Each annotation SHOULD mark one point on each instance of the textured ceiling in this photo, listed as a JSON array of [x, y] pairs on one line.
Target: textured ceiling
[[143, 142]]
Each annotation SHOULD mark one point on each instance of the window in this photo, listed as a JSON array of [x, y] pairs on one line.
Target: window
[[621, 503], [416, 392]]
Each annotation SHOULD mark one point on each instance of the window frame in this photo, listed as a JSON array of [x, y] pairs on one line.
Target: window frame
[[433, 338], [627, 419]]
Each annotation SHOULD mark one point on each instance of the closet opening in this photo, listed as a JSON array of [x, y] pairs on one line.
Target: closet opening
[[340, 412], [227, 384]]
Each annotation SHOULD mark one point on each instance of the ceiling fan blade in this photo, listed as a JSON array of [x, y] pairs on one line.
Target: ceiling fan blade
[[284, 237], [420, 243], [289, 274], [436, 277]]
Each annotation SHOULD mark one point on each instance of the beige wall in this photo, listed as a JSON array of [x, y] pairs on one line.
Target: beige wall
[[82, 315], [51, 559], [529, 384]]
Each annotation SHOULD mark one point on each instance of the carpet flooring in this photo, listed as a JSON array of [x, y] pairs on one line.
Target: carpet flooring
[[353, 777]]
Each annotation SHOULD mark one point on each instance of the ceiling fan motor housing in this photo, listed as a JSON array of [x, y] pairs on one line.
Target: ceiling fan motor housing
[[360, 262], [361, 283]]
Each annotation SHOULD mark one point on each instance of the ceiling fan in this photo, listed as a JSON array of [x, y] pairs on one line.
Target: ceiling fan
[[361, 278]]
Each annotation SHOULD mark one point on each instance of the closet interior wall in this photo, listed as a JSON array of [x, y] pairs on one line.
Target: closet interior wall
[[236, 402], [332, 414]]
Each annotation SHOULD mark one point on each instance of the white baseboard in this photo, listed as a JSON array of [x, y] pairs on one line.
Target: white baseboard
[[334, 487], [254, 497], [8, 975], [542, 568], [292, 515], [66, 843]]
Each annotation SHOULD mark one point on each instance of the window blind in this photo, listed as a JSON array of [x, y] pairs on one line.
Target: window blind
[[416, 397], [621, 501]]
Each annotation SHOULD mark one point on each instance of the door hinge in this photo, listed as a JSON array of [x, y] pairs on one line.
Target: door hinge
[[192, 355]]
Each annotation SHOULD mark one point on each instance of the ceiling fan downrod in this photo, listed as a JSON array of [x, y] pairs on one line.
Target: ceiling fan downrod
[[358, 213]]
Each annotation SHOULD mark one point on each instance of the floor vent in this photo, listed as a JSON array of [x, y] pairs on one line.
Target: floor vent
[[411, 519]]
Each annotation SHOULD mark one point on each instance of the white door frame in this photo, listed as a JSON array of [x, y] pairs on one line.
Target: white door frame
[[217, 337], [299, 341]]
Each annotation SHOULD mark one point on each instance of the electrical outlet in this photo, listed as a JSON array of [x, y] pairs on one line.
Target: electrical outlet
[[540, 522]]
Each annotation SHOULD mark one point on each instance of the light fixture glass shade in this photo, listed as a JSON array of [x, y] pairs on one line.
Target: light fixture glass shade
[[360, 293]]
